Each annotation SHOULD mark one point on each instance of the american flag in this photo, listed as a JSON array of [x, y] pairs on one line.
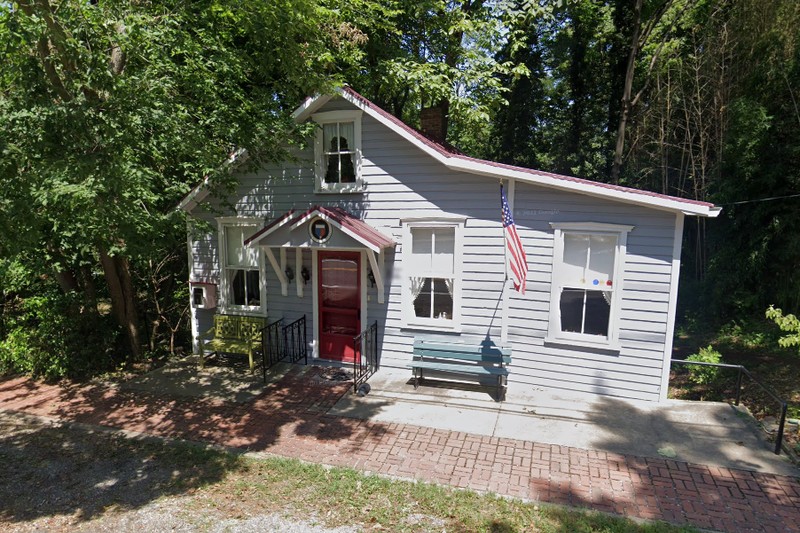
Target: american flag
[[517, 262]]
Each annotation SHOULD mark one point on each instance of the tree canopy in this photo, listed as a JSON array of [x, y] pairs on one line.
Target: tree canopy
[[111, 110]]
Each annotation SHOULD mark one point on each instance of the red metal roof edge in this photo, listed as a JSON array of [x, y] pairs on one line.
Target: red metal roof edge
[[449, 151], [343, 218], [269, 226]]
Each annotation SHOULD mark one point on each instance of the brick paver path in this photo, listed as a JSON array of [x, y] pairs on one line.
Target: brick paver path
[[290, 420]]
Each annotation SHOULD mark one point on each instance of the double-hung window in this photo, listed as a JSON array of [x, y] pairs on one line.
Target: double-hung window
[[338, 151], [432, 274], [587, 263], [241, 268]]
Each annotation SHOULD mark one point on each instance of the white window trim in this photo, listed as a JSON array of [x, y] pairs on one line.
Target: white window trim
[[225, 306], [320, 164], [554, 333], [409, 319]]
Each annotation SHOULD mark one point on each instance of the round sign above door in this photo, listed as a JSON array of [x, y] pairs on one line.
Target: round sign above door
[[319, 230]]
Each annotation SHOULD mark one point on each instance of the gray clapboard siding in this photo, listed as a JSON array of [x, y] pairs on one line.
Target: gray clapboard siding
[[403, 182]]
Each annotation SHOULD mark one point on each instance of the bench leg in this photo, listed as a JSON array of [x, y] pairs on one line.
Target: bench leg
[[202, 355], [252, 363]]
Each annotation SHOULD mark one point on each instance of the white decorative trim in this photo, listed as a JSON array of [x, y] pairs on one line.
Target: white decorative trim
[[192, 310], [377, 273], [298, 267], [315, 303], [434, 220], [672, 305], [585, 227]]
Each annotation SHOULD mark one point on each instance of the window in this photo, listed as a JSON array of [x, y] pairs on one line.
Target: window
[[241, 268], [432, 275], [338, 151], [587, 260]]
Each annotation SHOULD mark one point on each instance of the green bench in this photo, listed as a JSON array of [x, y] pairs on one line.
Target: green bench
[[233, 334], [469, 360]]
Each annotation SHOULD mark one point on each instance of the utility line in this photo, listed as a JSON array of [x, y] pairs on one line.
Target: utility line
[[760, 200]]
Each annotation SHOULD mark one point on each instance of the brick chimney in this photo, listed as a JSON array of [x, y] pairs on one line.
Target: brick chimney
[[433, 122]]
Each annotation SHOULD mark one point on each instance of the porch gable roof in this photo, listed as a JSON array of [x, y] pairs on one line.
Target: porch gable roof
[[355, 228]]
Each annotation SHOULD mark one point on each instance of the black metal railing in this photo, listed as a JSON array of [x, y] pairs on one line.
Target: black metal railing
[[365, 363], [295, 345], [272, 346], [742, 371], [283, 343]]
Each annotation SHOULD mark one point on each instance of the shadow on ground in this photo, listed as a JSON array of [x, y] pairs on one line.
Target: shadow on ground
[[51, 470]]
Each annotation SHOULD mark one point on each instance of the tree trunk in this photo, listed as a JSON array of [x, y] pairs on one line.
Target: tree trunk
[[117, 273], [616, 168]]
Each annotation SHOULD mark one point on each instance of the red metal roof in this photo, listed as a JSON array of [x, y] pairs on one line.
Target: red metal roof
[[359, 229], [451, 152]]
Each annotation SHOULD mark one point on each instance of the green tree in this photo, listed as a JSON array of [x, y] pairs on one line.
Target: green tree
[[111, 109]]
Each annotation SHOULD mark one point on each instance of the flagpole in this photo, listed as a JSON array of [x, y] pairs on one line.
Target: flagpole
[[504, 315]]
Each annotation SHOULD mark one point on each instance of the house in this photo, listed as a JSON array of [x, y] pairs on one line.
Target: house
[[376, 222]]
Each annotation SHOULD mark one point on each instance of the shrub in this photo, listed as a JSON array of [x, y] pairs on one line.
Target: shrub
[[47, 336], [701, 374], [789, 324]]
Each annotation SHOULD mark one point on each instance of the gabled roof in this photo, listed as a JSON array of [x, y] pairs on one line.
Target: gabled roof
[[455, 160], [354, 227]]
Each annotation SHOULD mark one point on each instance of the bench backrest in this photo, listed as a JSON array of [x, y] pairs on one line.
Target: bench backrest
[[238, 327], [463, 352]]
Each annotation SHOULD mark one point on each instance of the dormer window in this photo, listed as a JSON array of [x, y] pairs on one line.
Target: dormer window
[[338, 151]]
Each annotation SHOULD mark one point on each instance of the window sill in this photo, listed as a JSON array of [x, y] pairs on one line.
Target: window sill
[[601, 346], [242, 311], [357, 188], [432, 327]]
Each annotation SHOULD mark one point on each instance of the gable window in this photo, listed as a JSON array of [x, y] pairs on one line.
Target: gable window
[[432, 274], [240, 266], [338, 151], [584, 302]]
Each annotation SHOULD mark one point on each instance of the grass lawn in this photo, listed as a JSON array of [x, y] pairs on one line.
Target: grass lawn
[[68, 478]]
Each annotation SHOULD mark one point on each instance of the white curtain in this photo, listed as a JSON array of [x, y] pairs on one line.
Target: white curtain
[[416, 286], [449, 283]]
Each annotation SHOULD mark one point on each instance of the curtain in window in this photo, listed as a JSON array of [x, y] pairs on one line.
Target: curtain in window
[[450, 283], [416, 286]]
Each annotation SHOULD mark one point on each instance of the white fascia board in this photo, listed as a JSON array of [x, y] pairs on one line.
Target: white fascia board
[[334, 223], [195, 196], [257, 241], [198, 194], [407, 135], [544, 180], [309, 106]]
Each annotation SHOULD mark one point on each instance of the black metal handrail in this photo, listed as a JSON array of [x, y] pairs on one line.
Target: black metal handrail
[[272, 346], [294, 341], [365, 362], [771, 392]]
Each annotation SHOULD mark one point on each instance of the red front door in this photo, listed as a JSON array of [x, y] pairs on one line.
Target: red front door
[[339, 304]]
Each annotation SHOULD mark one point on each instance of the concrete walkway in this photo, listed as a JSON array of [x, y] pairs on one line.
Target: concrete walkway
[[307, 414]]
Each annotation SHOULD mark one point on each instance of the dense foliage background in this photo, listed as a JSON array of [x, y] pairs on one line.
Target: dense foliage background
[[112, 110]]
